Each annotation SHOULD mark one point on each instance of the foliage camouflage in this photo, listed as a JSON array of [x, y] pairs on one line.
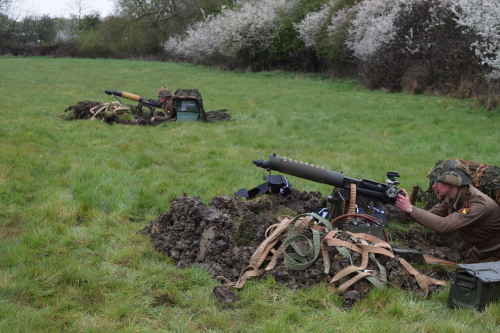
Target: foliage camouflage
[[113, 112]]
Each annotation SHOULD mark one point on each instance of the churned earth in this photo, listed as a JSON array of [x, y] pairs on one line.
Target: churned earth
[[222, 235]]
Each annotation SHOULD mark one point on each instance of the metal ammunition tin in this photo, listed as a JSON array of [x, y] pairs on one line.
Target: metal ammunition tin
[[187, 110], [408, 254], [475, 285]]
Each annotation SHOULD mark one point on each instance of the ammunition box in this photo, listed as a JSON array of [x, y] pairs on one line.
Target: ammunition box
[[408, 254], [475, 285], [187, 110]]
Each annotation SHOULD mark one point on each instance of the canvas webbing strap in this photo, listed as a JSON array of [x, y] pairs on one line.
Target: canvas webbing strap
[[262, 252], [364, 244], [301, 222], [288, 231], [378, 245], [266, 250], [367, 245], [105, 107], [299, 260], [424, 281], [352, 201]]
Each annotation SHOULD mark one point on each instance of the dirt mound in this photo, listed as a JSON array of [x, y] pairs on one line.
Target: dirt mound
[[126, 114], [218, 115], [81, 110], [222, 235]]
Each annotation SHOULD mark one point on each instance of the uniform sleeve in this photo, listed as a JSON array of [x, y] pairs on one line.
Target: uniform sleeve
[[439, 209], [453, 221]]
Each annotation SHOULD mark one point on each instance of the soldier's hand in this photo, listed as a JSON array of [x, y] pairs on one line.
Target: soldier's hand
[[403, 201]]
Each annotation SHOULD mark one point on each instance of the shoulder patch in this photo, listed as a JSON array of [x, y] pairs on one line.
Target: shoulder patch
[[465, 210]]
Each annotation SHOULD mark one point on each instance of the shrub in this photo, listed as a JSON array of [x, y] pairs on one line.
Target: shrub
[[482, 18], [235, 35], [325, 32], [425, 45], [92, 46]]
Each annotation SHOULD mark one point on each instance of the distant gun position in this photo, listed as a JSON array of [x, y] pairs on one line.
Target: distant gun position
[[149, 103], [369, 189]]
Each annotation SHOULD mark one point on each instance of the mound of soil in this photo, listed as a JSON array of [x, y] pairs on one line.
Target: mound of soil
[[222, 235], [218, 115], [81, 110]]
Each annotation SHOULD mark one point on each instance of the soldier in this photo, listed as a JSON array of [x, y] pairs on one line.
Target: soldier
[[165, 98], [463, 208]]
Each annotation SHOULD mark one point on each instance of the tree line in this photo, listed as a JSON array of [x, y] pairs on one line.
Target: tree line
[[138, 30], [431, 46]]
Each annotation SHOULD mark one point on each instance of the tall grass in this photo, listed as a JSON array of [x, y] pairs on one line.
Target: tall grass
[[74, 194]]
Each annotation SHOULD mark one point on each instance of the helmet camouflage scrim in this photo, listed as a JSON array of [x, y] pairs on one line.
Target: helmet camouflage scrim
[[164, 92], [450, 172]]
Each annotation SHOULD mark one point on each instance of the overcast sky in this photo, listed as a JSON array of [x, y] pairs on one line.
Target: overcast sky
[[63, 8]]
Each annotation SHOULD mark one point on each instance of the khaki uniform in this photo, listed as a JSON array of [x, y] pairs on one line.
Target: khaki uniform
[[474, 215], [169, 109]]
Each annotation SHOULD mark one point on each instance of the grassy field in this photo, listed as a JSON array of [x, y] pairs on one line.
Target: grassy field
[[73, 194]]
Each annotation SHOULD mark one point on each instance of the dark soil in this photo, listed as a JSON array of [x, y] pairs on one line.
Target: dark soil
[[222, 235], [81, 110], [218, 115]]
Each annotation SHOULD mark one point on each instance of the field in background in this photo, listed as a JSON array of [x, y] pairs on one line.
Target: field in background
[[74, 194]]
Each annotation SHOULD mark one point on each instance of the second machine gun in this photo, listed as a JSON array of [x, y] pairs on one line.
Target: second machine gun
[[366, 195], [151, 104]]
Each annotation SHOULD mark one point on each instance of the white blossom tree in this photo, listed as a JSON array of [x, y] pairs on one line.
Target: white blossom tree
[[482, 17], [248, 27], [310, 27]]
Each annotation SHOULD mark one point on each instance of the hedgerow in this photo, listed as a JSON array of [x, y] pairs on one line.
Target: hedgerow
[[437, 46], [233, 35]]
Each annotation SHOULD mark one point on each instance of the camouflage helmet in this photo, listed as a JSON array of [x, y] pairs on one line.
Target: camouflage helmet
[[450, 172], [164, 92]]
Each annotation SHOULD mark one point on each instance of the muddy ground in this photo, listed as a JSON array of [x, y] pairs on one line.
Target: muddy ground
[[222, 235]]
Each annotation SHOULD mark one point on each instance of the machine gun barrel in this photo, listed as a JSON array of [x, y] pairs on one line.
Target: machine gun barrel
[[134, 97], [301, 169], [385, 193]]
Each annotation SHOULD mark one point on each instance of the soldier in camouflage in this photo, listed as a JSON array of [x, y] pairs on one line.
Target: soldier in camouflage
[[165, 98], [463, 208]]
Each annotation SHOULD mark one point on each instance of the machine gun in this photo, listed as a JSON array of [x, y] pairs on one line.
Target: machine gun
[[151, 104], [368, 194]]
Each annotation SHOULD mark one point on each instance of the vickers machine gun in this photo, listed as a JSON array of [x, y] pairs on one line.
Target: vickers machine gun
[[151, 104], [358, 201]]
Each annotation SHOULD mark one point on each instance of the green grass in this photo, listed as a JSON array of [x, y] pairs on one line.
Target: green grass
[[74, 194]]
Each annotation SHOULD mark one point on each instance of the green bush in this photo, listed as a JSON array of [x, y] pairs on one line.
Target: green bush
[[91, 45]]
